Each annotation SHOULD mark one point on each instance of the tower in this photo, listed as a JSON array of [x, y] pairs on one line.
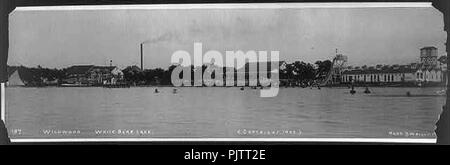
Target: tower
[[339, 63], [428, 56], [142, 56]]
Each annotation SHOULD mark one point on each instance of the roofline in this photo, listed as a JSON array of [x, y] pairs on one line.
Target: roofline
[[428, 47]]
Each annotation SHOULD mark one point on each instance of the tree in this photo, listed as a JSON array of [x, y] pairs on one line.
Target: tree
[[132, 74], [289, 71]]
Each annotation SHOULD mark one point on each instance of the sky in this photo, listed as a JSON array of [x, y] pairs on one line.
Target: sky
[[368, 36]]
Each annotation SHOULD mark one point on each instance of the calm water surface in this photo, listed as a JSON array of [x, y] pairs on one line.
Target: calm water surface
[[221, 112]]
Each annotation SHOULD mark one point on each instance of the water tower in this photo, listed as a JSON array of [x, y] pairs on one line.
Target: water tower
[[428, 56]]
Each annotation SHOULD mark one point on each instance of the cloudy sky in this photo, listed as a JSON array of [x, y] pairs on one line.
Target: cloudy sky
[[368, 36]]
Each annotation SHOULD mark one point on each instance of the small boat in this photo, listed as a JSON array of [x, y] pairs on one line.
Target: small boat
[[419, 84], [408, 93], [175, 90], [367, 91], [242, 88], [353, 90]]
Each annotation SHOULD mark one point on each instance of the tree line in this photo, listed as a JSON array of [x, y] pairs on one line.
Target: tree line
[[297, 71]]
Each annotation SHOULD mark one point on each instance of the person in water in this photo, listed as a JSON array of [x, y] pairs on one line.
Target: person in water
[[353, 90], [367, 90]]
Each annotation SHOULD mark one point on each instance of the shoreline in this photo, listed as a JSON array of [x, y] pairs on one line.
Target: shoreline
[[314, 87]]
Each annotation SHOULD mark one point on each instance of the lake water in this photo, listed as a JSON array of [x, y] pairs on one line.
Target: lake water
[[220, 112]]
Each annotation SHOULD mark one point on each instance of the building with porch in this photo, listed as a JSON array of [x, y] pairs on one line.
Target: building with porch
[[427, 71], [93, 75]]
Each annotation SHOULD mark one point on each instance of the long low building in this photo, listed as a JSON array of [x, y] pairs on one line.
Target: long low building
[[427, 70], [392, 75]]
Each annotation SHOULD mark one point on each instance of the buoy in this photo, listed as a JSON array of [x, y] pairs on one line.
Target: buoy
[[408, 93], [175, 90], [156, 90], [353, 90]]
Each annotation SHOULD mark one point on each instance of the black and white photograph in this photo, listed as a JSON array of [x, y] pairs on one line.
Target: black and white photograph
[[350, 72]]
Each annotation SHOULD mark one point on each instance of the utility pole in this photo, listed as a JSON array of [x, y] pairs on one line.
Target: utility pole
[[142, 56]]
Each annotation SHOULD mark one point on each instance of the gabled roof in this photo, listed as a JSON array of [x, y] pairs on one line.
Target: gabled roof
[[83, 69], [79, 69], [428, 47]]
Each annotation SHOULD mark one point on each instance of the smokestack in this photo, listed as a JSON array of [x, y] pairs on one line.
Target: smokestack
[[142, 57]]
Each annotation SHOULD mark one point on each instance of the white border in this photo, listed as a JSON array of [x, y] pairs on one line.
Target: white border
[[233, 6], [373, 140], [3, 107], [225, 6]]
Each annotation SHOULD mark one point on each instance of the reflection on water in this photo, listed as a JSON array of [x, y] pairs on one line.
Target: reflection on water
[[221, 112]]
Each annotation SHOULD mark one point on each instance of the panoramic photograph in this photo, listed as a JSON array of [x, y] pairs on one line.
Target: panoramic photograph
[[227, 73]]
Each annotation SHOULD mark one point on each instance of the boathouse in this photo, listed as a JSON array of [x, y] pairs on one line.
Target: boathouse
[[93, 75]]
